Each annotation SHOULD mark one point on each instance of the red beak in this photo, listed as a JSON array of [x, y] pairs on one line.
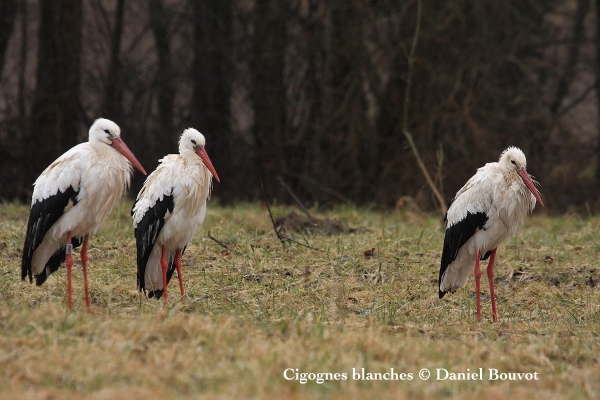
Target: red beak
[[122, 148], [206, 160], [529, 183]]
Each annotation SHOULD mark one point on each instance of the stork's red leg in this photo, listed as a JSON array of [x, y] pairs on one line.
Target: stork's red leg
[[84, 259], [478, 286], [69, 262], [490, 273], [163, 264], [179, 275]]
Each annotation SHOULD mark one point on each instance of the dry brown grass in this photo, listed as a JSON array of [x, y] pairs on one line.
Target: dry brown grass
[[258, 308]]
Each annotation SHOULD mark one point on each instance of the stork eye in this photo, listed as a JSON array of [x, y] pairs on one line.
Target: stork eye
[[513, 161], [193, 141], [107, 131]]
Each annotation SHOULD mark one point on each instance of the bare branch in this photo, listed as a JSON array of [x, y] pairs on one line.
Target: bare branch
[[217, 241], [296, 199], [319, 186], [283, 238], [577, 100], [270, 213]]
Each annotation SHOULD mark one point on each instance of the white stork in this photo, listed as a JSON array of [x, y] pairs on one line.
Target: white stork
[[490, 208], [168, 210], [71, 199]]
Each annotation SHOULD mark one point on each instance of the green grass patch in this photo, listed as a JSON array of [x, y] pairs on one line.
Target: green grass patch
[[255, 309]]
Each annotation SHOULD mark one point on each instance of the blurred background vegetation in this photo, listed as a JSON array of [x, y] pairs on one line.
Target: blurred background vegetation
[[312, 91]]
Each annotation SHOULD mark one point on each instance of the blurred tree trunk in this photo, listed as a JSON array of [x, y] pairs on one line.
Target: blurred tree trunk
[[54, 121], [395, 152], [269, 90], [568, 74], [164, 85], [10, 186], [211, 74], [23, 62], [350, 140], [8, 11], [314, 163], [113, 94], [597, 191]]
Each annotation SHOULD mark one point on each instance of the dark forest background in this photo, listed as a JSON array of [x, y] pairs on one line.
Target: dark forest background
[[310, 91]]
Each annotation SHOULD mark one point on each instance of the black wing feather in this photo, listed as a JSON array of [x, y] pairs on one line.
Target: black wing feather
[[42, 216], [147, 232], [456, 236]]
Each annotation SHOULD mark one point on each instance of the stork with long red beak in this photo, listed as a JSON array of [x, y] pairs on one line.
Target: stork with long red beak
[[168, 210], [490, 208], [71, 199]]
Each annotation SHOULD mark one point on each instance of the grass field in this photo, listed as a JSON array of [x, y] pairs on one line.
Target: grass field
[[255, 309]]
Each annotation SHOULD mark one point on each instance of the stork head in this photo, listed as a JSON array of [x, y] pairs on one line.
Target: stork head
[[193, 141], [105, 131], [513, 161]]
